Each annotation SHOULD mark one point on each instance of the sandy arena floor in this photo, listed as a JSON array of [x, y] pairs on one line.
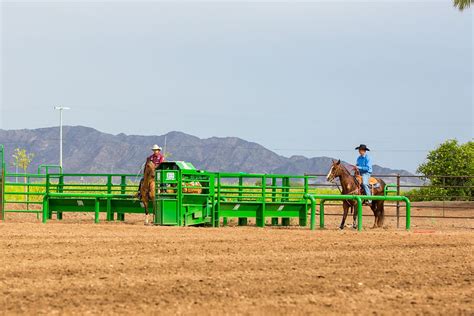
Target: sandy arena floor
[[76, 267]]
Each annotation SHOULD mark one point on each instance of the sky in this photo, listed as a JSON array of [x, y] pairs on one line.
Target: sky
[[312, 78]]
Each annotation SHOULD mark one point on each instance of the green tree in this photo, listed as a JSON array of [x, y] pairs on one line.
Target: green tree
[[462, 4], [454, 160], [22, 159]]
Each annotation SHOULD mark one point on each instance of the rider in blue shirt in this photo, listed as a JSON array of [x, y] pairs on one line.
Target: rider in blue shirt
[[364, 164]]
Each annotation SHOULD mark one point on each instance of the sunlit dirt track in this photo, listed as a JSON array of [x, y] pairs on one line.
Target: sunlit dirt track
[[76, 267]]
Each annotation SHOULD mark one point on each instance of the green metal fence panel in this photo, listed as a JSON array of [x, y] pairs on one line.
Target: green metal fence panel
[[262, 196], [329, 197], [2, 182], [46, 168], [184, 196]]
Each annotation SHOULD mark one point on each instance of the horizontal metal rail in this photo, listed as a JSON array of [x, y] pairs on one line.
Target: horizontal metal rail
[[331, 197], [88, 195], [224, 175]]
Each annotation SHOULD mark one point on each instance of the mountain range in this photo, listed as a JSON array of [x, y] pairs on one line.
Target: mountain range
[[87, 150]]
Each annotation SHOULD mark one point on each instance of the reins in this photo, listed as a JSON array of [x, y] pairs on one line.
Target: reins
[[355, 191]]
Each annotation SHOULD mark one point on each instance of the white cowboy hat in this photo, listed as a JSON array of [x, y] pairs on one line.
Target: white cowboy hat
[[156, 147]]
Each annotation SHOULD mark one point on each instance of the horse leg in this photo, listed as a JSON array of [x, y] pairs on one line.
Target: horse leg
[[152, 200], [145, 205], [345, 206], [354, 216], [138, 195], [381, 211], [374, 208]]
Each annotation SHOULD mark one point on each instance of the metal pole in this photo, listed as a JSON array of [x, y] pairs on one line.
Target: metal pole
[[165, 149], [61, 137], [408, 214], [444, 189], [398, 203], [61, 108]]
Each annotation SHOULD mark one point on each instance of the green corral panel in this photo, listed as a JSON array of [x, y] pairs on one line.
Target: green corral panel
[[127, 206], [183, 165], [184, 196], [274, 210], [167, 212], [87, 205], [71, 205], [196, 215]]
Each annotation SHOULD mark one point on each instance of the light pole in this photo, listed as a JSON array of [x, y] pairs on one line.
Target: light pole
[[61, 108]]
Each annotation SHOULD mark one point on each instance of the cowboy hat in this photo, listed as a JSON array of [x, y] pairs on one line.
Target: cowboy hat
[[156, 147], [363, 147]]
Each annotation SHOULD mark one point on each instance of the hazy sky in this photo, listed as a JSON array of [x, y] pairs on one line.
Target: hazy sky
[[309, 78]]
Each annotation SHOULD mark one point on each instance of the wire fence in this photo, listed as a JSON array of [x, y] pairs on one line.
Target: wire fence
[[440, 196]]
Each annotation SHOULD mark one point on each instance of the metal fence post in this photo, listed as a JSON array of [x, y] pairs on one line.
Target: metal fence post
[[59, 215], [444, 195], [2, 187], [110, 214], [398, 203], [242, 221]]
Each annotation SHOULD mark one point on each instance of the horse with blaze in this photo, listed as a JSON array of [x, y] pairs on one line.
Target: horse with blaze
[[351, 185]]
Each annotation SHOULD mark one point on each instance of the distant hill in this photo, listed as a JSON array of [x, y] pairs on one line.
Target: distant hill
[[88, 150]]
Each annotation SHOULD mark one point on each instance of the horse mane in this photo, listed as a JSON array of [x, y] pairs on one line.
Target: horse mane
[[344, 169], [347, 176]]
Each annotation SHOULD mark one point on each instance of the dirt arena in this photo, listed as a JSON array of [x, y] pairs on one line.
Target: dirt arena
[[76, 267]]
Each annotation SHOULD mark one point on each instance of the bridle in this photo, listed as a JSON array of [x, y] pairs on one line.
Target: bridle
[[355, 191]]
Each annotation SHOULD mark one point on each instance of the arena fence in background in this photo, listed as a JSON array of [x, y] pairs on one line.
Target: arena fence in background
[[444, 200]]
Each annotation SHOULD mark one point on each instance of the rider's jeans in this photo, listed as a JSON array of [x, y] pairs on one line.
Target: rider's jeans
[[365, 183]]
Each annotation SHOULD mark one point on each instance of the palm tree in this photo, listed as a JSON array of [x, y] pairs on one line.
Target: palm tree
[[462, 4]]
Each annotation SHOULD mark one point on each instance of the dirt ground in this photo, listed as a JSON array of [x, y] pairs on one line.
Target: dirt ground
[[76, 267]]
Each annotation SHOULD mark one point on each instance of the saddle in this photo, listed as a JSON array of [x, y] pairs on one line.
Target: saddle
[[372, 182]]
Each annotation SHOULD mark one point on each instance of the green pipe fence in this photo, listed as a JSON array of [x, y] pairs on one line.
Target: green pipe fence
[[47, 167], [312, 199], [271, 195], [358, 198], [220, 196], [26, 193], [2, 182], [82, 196], [390, 188], [19, 196]]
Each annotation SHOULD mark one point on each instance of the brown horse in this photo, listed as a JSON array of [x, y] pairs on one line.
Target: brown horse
[[147, 188], [351, 186]]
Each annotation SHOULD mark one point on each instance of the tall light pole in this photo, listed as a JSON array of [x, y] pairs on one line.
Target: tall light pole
[[61, 109]]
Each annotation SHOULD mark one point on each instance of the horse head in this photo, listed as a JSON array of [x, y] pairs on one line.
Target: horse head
[[335, 171], [149, 171]]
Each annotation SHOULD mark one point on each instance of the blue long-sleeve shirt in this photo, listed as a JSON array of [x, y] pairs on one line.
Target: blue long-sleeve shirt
[[364, 163]]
